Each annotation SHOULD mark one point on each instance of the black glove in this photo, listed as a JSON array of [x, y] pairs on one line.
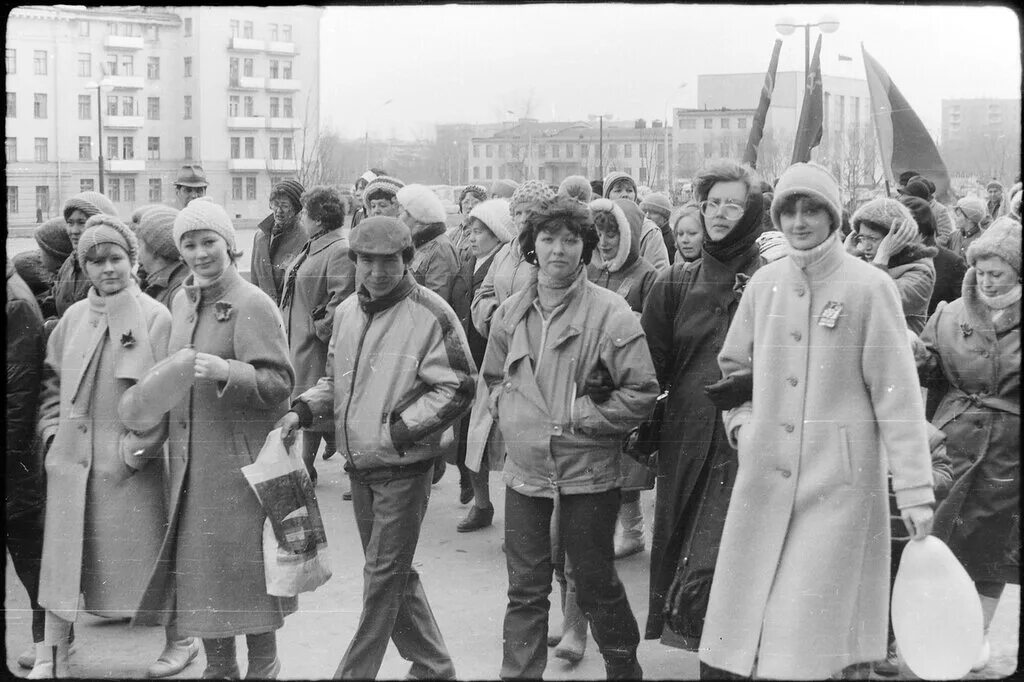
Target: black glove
[[599, 385], [732, 391]]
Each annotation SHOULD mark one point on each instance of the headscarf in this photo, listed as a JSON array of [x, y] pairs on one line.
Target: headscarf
[[743, 235]]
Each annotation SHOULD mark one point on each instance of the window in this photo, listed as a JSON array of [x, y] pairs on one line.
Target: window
[[153, 108], [188, 148], [187, 109], [84, 107], [153, 148], [275, 67], [476, 172], [274, 153], [42, 149], [11, 149], [111, 65], [129, 190], [42, 198], [235, 32], [247, 29], [12, 105], [643, 174], [236, 148], [127, 65], [247, 67], [112, 148], [542, 151], [707, 150], [250, 188], [233, 105], [476, 147], [286, 69], [286, 33], [554, 150], [236, 189], [86, 185], [250, 147], [275, 107], [688, 123], [188, 67], [114, 189], [541, 173], [233, 71], [84, 64], [154, 36], [39, 105], [584, 149], [84, 148], [128, 147], [155, 190], [613, 151], [488, 151], [287, 108], [248, 102], [708, 123], [568, 151], [286, 148], [188, 27], [10, 60], [723, 149], [12, 199], [112, 105], [627, 149], [83, 28], [723, 123], [128, 105], [273, 31], [741, 123], [39, 62], [490, 172]]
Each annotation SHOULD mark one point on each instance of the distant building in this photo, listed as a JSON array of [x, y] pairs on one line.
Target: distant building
[[235, 89], [981, 138]]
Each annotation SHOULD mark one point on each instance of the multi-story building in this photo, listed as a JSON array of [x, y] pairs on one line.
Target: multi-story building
[[235, 89], [981, 138]]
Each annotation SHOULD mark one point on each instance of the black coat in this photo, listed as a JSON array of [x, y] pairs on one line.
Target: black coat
[[949, 277]]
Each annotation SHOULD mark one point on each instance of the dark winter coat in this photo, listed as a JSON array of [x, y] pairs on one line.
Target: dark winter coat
[[435, 263], [70, 286], [163, 284], [949, 278], [273, 250]]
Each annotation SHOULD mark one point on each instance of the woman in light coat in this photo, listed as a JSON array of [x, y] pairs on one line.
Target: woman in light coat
[[973, 345], [320, 277], [105, 513], [243, 378], [802, 580]]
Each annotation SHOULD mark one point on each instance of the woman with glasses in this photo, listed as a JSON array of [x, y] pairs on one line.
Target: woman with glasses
[[280, 237], [686, 318], [886, 235]]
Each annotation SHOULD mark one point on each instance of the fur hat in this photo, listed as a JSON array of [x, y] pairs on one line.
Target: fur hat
[[29, 265], [380, 235], [614, 177], [292, 189], [529, 192], [577, 187], [381, 183], [156, 231], [812, 180], [479, 191], [917, 188], [503, 189], [52, 237], [657, 202], [973, 208], [907, 175], [1002, 240], [880, 213], [773, 245], [618, 209], [203, 214], [89, 203], [422, 204], [494, 214], [107, 229]]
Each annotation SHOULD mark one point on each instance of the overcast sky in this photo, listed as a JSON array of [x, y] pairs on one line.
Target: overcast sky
[[474, 63]]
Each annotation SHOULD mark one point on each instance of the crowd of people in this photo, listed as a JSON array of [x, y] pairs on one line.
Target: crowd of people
[[819, 389]]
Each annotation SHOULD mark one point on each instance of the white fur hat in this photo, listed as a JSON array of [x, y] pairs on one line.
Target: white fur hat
[[422, 204], [495, 215]]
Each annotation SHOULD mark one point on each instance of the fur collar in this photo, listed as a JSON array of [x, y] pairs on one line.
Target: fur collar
[[979, 315]]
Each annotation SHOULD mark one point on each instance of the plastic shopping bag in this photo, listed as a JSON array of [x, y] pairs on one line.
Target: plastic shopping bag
[[294, 539]]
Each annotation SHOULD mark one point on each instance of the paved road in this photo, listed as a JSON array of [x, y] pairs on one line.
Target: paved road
[[464, 576]]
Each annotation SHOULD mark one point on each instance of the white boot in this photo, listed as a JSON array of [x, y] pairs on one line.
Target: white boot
[[631, 520], [51, 661], [988, 610]]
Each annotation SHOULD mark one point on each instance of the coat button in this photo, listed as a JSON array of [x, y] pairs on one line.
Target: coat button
[[977, 424], [796, 335], [793, 381], [83, 428], [801, 291], [183, 424], [789, 428], [509, 385], [191, 318], [985, 354], [786, 473], [557, 430], [718, 310]]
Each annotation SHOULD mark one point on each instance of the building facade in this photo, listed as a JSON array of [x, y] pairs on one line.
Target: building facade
[[981, 138], [234, 89]]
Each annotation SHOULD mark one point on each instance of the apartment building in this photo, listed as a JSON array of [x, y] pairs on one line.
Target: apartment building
[[235, 89], [981, 138]]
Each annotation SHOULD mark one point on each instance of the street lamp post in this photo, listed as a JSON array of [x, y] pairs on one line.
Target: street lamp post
[[826, 25], [668, 147], [100, 87]]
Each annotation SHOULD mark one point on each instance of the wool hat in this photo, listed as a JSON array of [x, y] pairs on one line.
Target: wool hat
[[381, 183], [531, 191], [973, 208], [292, 189], [191, 175], [156, 230], [1002, 240], [368, 176], [880, 213], [203, 214], [907, 175], [380, 235], [812, 180], [503, 189], [422, 204], [52, 237], [479, 191], [577, 187], [89, 203], [494, 214], [138, 213], [614, 177], [657, 202], [923, 215], [29, 265], [917, 188], [994, 183], [107, 229], [772, 245]]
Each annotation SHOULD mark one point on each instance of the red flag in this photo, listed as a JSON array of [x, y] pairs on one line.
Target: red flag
[[808, 133], [903, 140], [757, 131]]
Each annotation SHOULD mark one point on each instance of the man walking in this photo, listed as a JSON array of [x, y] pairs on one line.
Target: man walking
[[399, 371]]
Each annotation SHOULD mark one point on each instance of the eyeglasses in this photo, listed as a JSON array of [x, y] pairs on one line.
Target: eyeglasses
[[280, 205], [863, 238], [729, 209]]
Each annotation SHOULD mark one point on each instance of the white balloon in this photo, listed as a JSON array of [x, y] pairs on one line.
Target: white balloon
[[936, 612]]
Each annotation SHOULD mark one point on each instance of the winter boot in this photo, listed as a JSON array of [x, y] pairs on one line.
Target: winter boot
[[263, 661], [574, 629], [631, 522], [627, 668], [221, 661], [988, 611]]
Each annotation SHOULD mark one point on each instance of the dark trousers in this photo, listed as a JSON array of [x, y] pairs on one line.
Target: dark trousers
[[586, 525], [25, 545], [389, 515]]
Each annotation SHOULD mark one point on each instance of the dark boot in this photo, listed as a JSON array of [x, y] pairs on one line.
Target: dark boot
[[263, 661], [221, 660], [623, 668]]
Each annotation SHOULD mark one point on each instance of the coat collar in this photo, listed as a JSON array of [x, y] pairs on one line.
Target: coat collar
[[824, 262], [321, 242], [979, 315], [214, 291], [372, 306], [162, 278], [574, 303]]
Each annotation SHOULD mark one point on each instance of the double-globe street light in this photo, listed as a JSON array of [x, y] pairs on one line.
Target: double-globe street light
[[101, 87], [825, 25]]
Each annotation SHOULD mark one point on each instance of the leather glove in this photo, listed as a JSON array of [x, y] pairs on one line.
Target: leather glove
[[732, 391], [599, 385]]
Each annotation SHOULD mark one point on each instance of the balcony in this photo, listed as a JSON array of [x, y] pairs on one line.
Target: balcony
[[248, 122], [126, 82], [124, 42], [126, 165], [123, 121], [282, 165], [247, 164], [246, 83], [275, 123], [247, 44], [280, 47], [287, 84]]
